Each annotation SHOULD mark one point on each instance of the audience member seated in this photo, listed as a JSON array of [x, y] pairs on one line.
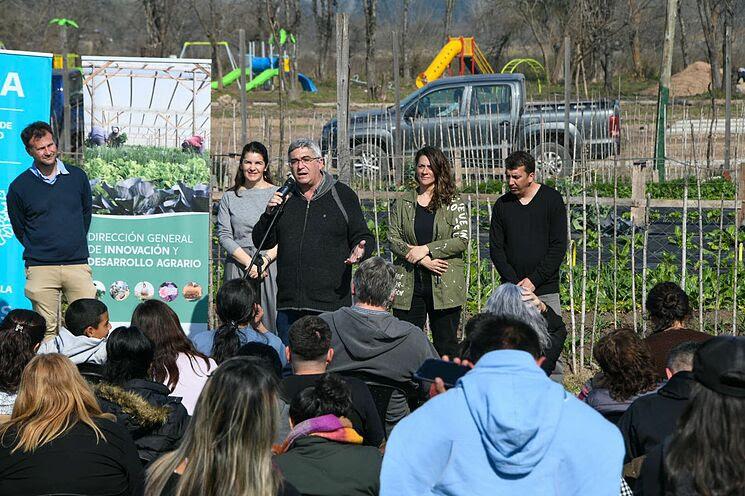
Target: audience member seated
[[83, 337], [512, 301], [309, 353], [239, 309], [21, 334], [177, 363], [651, 418], [704, 454], [58, 440], [669, 310], [155, 420], [265, 353], [505, 428], [367, 339], [214, 460], [627, 372], [323, 455]]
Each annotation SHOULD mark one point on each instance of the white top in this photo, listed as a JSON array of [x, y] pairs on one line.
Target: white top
[[192, 374]]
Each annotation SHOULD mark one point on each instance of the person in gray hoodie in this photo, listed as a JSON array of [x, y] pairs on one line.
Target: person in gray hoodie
[[83, 338], [367, 339]]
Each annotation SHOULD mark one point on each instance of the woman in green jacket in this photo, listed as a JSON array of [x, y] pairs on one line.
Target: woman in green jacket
[[428, 234]]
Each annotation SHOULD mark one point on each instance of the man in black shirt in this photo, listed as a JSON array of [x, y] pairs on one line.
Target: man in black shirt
[[528, 235], [309, 353]]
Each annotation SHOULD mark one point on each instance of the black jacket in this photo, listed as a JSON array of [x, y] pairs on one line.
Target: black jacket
[[314, 239], [155, 420], [321, 467], [77, 462], [651, 418]]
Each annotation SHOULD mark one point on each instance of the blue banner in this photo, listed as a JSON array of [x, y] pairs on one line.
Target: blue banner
[[25, 94]]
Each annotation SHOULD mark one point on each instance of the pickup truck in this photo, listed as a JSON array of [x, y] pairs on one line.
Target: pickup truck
[[483, 118]]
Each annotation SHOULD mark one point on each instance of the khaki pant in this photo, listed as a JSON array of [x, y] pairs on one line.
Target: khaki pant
[[46, 283]]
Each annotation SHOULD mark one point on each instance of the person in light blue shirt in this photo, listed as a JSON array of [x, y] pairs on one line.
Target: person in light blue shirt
[[240, 313], [505, 428]]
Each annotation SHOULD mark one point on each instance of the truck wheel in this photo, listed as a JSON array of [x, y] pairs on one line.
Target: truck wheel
[[369, 159], [552, 160]]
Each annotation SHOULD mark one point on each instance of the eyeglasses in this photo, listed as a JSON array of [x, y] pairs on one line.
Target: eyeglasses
[[305, 160]]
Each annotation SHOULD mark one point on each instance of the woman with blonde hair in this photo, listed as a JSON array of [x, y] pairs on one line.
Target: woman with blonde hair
[[58, 440], [227, 446]]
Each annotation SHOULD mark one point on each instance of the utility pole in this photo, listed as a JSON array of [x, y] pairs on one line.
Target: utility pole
[[244, 103], [343, 163], [567, 98], [664, 92], [398, 159]]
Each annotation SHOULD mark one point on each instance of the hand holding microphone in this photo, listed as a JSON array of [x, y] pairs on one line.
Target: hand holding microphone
[[280, 196]]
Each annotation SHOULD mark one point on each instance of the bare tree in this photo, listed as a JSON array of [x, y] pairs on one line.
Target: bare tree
[[405, 61], [547, 22], [449, 7], [683, 35], [710, 13], [370, 25], [323, 13], [495, 29], [158, 14], [292, 15], [635, 24], [211, 18]]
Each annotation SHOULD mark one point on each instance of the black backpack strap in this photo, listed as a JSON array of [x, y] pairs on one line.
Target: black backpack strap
[[335, 194]]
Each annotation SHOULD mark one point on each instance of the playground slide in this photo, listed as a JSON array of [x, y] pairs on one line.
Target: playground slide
[[265, 76], [230, 78], [306, 83], [440, 63], [261, 79]]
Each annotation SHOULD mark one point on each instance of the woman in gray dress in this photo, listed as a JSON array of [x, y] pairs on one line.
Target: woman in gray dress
[[240, 208]]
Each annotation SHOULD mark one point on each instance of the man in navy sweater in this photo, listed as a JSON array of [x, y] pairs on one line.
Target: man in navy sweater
[[49, 206]]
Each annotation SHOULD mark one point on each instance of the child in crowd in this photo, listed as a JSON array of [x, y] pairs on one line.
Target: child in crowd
[[83, 338], [21, 333]]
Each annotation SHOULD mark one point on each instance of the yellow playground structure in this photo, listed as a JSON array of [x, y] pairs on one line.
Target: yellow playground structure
[[469, 56]]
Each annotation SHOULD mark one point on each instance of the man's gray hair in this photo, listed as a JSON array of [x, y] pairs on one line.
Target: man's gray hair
[[507, 301], [680, 357], [304, 143], [374, 280]]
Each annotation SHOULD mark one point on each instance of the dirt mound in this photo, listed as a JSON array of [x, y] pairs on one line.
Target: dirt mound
[[693, 80]]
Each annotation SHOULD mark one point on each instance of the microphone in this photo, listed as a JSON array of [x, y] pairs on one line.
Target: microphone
[[284, 190]]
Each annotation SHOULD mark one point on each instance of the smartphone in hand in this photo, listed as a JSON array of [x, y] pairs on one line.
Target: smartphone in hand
[[449, 372]]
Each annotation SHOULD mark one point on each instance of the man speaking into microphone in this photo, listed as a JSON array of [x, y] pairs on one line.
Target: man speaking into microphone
[[320, 233]]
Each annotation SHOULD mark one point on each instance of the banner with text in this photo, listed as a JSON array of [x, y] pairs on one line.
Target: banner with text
[[149, 239], [25, 95]]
